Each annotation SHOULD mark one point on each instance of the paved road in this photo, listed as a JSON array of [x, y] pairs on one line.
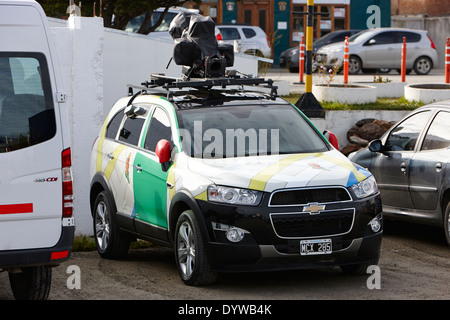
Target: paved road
[[435, 76]]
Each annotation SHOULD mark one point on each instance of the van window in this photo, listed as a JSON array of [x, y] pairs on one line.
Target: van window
[[26, 104], [159, 129], [131, 130], [114, 124]]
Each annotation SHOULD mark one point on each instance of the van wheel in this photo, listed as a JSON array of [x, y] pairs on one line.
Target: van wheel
[[111, 244], [447, 223], [33, 283], [190, 253]]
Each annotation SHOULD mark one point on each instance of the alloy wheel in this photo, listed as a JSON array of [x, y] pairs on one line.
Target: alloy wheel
[[186, 249], [102, 225]]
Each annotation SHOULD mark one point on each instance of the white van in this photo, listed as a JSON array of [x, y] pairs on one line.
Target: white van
[[36, 222]]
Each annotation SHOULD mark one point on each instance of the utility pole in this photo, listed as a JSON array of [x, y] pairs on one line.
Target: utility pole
[[307, 103]]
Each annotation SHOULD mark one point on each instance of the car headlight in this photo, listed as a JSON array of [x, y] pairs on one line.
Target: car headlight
[[365, 188], [234, 195]]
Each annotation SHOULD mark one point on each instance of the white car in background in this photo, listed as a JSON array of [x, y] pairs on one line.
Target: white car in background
[[381, 48], [250, 39]]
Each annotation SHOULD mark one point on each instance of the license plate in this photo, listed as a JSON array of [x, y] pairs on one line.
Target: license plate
[[320, 246]]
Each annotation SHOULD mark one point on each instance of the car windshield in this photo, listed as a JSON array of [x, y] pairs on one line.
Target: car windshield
[[325, 38], [247, 130], [361, 36]]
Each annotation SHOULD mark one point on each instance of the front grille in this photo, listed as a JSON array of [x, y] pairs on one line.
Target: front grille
[[305, 196], [304, 225]]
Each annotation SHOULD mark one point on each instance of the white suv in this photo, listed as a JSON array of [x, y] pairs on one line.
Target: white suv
[[250, 39], [36, 222]]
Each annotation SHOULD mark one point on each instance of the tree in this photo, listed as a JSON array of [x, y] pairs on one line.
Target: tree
[[116, 13]]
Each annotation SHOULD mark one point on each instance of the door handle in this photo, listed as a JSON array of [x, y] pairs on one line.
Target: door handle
[[137, 168], [110, 155], [403, 167], [438, 167]]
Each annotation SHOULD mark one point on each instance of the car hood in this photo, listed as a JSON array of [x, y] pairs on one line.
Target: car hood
[[332, 47], [269, 173]]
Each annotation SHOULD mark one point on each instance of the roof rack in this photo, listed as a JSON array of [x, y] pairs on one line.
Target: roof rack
[[161, 82]]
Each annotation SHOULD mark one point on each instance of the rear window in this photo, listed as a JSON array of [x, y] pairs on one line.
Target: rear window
[[249, 33], [26, 105], [230, 33], [410, 36]]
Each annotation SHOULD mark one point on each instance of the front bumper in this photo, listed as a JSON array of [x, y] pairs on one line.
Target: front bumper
[[264, 249]]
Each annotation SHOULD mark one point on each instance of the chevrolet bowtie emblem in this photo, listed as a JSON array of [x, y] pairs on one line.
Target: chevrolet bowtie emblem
[[313, 208]]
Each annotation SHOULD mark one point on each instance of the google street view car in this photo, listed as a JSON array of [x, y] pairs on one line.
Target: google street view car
[[231, 179]]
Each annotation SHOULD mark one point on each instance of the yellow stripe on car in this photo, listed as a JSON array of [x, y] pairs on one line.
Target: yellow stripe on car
[[109, 168], [259, 181]]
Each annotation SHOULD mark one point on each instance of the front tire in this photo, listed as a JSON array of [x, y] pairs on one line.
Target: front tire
[[447, 223], [190, 252], [33, 283], [354, 65], [111, 244]]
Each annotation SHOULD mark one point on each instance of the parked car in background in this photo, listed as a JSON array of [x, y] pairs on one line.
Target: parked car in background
[[290, 57], [381, 48], [250, 39], [410, 164]]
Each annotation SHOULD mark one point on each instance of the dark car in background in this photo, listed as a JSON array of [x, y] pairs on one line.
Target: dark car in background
[[410, 165], [290, 57]]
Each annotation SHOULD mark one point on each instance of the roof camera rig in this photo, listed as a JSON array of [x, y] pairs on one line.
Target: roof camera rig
[[203, 59]]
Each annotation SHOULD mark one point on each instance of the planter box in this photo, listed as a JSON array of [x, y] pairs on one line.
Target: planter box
[[351, 94], [387, 89], [427, 92]]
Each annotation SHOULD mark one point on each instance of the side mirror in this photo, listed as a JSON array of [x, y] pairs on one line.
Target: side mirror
[[372, 42], [376, 145], [331, 137], [163, 153]]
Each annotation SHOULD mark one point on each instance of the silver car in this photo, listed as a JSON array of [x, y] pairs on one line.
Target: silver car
[[381, 49], [411, 166]]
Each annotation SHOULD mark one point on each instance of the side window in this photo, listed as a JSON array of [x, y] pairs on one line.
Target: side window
[[384, 38], [114, 124], [27, 116], [131, 130], [230, 33], [158, 129], [438, 135], [410, 36], [404, 136], [249, 33]]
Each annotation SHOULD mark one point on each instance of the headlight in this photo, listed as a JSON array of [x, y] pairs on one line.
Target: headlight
[[234, 195], [365, 188]]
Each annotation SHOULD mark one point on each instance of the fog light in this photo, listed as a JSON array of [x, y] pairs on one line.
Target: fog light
[[234, 234], [375, 224]]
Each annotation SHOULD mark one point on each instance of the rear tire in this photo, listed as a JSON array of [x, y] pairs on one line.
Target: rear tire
[[190, 252], [111, 244], [33, 283], [423, 66]]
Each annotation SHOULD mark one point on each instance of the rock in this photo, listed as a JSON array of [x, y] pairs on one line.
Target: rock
[[371, 131], [359, 141], [349, 149]]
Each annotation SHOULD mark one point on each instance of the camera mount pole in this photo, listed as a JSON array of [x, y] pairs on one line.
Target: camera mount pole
[[307, 103]]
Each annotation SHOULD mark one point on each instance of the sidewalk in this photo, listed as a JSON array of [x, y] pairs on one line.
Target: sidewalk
[[435, 76]]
